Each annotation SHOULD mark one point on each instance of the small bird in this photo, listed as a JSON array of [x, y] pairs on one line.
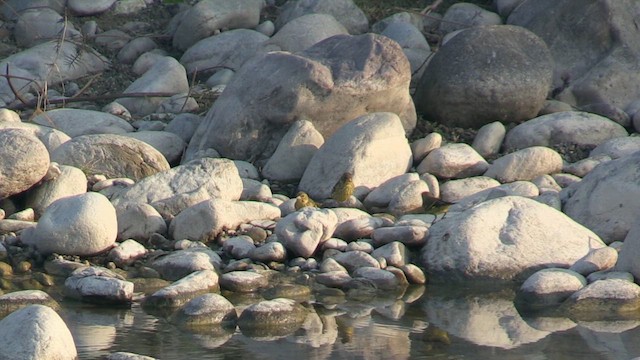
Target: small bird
[[343, 189], [434, 206], [303, 200]]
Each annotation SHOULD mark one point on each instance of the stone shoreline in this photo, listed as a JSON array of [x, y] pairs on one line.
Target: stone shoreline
[[145, 200]]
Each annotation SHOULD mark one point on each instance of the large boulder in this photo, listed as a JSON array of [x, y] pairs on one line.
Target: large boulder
[[174, 190], [24, 161], [607, 200], [562, 128], [76, 122], [111, 155], [51, 138], [206, 220], [49, 62], [345, 11], [508, 238], [36, 332], [222, 51], [166, 76], [594, 45], [486, 74], [372, 147], [84, 224], [209, 16], [305, 31], [330, 83]]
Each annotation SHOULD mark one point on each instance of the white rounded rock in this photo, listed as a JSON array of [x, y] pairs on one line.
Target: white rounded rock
[[36, 332], [24, 161], [84, 224], [453, 161], [504, 239], [373, 147]]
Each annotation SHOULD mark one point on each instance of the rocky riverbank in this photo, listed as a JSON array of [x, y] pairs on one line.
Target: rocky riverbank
[[183, 183]]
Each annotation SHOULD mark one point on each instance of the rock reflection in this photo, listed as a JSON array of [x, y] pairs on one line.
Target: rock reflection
[[488, 319], [607, 337], [212, 337], [94, 328]]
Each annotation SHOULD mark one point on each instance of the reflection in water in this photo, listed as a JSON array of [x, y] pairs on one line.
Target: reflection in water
[[416, 324]]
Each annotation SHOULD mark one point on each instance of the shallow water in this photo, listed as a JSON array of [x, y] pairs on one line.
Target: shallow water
[[424, 323]]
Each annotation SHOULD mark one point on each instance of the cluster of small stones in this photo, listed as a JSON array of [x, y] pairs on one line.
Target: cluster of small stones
[[142, 202]]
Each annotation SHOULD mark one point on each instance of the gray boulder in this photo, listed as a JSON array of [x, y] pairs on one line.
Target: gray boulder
[[76, 122], [375, 78], [38, 25], [567, 127], [24, 161], [84, 224], [206, 220], [222, 51], [525, 164], [549, 287], [627, 258], [501, 239], [604, 300], [83, 8], [209, 16], [181, 263], [608, 198], [16, 300], [206, 310], [604, 69], [114, 156], [51, 138], [36, 332], [617, 147], [464, 15], [182, 291], [71, 181], [293, 153], [456, 160], [243, 281], [305, 31], [166, 76], [139, 221], [486, 74], [167, 143], [275, 317], [51, 66], [302, 232], [98, 285], [174, 190], [372, 147], [345, 11]]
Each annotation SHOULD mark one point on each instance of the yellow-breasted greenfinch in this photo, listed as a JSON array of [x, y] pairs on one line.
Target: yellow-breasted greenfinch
[[434, 206], [343, 189], [303, 200]]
